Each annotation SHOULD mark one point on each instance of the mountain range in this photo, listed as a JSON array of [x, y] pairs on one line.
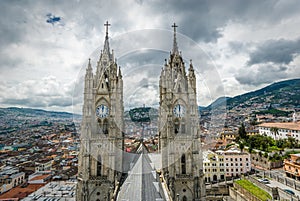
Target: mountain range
[[29, 112], [279, 94]]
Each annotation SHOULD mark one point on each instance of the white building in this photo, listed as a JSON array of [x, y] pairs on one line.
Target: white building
[[236, 162], [213, 166], [54, 191], [43, 166], [296, 117], [284, 130], [10, 177]]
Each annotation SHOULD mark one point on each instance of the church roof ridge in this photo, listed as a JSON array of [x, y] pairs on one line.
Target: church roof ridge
[[142, 148]]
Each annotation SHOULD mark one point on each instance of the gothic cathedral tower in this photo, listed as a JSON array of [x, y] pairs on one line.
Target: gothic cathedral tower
[[179, 135], [100, 157]]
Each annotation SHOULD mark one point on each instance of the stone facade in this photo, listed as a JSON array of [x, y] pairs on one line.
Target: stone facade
[[213, 166], [100, 157], [101, 152], [179, 136], [236, 162]]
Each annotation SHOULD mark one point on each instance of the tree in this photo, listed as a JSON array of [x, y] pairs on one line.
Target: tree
[[253, 122], [280, 143], [242, 132], [241, 145], [250, 149], [292, 142], [264, 145]]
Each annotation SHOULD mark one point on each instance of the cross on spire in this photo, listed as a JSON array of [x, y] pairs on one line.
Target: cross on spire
[[106, 43], [106, 24], [174, 26], [175, 48]]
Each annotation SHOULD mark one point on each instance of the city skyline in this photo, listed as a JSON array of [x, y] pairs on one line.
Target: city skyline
[[45, 46]]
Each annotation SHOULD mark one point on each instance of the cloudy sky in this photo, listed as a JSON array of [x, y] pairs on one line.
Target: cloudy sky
[[236, 46]]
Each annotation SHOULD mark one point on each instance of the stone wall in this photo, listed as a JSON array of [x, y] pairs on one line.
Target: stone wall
[[286, 196], [246, 194], [263, 162], [272, 191], [235, 195], [217, 190], [217, 193]]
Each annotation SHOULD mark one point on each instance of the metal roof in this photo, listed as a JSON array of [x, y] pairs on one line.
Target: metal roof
[[142, 182]]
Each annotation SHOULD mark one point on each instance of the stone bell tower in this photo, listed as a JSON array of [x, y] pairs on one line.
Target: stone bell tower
[[100, 157], [179, 134]]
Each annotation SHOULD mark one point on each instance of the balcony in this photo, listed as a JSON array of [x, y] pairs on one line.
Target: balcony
[[184, 176], [98, 178]]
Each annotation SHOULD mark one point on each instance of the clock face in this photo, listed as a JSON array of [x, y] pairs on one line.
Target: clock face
[[102, 111], [179, 110]]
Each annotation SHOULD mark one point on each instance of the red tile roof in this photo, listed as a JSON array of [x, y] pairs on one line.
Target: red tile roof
[[40, 177], [19, 192]]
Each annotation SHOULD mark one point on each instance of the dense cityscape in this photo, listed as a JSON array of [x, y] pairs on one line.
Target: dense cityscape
[[39, 151], [149, 101]]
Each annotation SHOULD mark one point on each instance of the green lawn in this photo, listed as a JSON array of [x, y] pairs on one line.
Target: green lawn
[[259, 193]]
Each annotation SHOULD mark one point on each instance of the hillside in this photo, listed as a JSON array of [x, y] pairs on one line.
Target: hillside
[[219, 102], [29, 112], [280, 94], [285, 93], [16, 120]]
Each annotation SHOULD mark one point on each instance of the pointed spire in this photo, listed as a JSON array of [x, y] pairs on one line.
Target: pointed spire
[[89, 64], [191, 65], [191, 69], [89, 69], [175, 47], [106, 44], [119, 73], [192, 76]]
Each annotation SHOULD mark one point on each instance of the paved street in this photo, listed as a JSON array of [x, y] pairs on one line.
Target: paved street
[[277, 179], [274, 183]]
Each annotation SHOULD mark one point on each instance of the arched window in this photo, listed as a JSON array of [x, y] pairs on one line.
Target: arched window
[[105, 126], [179, 89], [99, 165], [184, 198], [182, 126], [183, 164], [176, 126]]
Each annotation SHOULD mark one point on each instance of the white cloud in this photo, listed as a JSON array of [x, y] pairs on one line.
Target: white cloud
[[45, 92], [32, 50]]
